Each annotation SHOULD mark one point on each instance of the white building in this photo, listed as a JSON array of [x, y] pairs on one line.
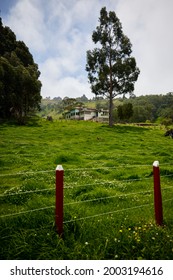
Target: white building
[[86, 114]]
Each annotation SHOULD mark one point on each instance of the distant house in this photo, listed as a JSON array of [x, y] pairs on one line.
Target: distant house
[[87, 114]]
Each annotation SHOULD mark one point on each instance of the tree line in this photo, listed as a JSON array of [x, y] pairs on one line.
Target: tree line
[[147, 108], [19, 78], [151, 108]]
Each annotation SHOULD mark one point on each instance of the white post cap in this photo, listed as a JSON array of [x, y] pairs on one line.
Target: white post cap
[[59, 168], [156, 163]]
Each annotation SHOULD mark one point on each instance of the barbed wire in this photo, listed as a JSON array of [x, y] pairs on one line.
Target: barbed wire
[[112, 212], [25, 212], [53, 189], [106, 167], [26, 173], [73, 220], [106, 197], [168, 175], [48, 207], [116, 166], [115, 181], [26, 192], [107, 182], [70, 187], [170, 187], [107, 213], [80, 169], [113, 196]]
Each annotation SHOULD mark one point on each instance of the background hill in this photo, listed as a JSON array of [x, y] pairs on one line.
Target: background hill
[[150, 108]]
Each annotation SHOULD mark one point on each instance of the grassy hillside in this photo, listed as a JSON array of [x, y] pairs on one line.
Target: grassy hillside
[[149, 108], [55, 108], [108, 195]]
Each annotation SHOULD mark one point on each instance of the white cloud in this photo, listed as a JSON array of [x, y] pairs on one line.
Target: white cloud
[[67, 86], [148, 26], [27, 21], [58, 34]]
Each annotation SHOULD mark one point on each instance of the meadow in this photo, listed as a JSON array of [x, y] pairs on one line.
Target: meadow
[[108, 191]]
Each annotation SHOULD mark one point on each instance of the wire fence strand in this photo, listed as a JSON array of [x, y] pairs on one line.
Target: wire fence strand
[[70, 187], [26, 173], [26, 192], [81, 169], [106, 197], [26, 212], [101, 214], [107, 213], [106, 182], [83, 201], [113, 212]]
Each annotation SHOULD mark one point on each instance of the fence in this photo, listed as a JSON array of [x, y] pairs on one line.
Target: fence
[[59, 203], [59, 198]]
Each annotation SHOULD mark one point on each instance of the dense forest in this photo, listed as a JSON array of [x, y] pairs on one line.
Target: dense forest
[[148, 108], [19, 78], [151, 108]]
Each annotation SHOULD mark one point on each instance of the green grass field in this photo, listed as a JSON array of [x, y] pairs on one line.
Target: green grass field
[[108, 191]]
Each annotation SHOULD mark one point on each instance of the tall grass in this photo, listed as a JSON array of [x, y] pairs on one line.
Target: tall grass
[[108, 195]]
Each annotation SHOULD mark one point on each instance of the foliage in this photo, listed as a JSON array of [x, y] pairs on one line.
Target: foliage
[[70, 103], [111, 69], [19, 84], [153, 108], [106, 171], [125, 111], [166, 121]]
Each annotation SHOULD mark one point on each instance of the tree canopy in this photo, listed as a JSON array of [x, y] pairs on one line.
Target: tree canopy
[[111, 69], [19, 84]]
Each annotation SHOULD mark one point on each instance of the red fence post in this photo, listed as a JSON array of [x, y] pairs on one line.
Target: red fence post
[[157, 194], [59, 200]]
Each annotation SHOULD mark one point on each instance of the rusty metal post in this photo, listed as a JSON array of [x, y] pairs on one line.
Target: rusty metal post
[[157, 194], [59, 200]]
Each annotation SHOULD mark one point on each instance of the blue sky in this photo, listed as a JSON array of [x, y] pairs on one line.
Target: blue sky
[[58, 34]]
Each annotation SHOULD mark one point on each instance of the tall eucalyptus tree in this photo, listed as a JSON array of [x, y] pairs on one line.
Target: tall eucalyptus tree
[[112, 71]]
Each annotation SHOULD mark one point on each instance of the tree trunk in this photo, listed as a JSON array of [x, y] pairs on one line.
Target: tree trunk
[[111, 110], [110, 96]]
